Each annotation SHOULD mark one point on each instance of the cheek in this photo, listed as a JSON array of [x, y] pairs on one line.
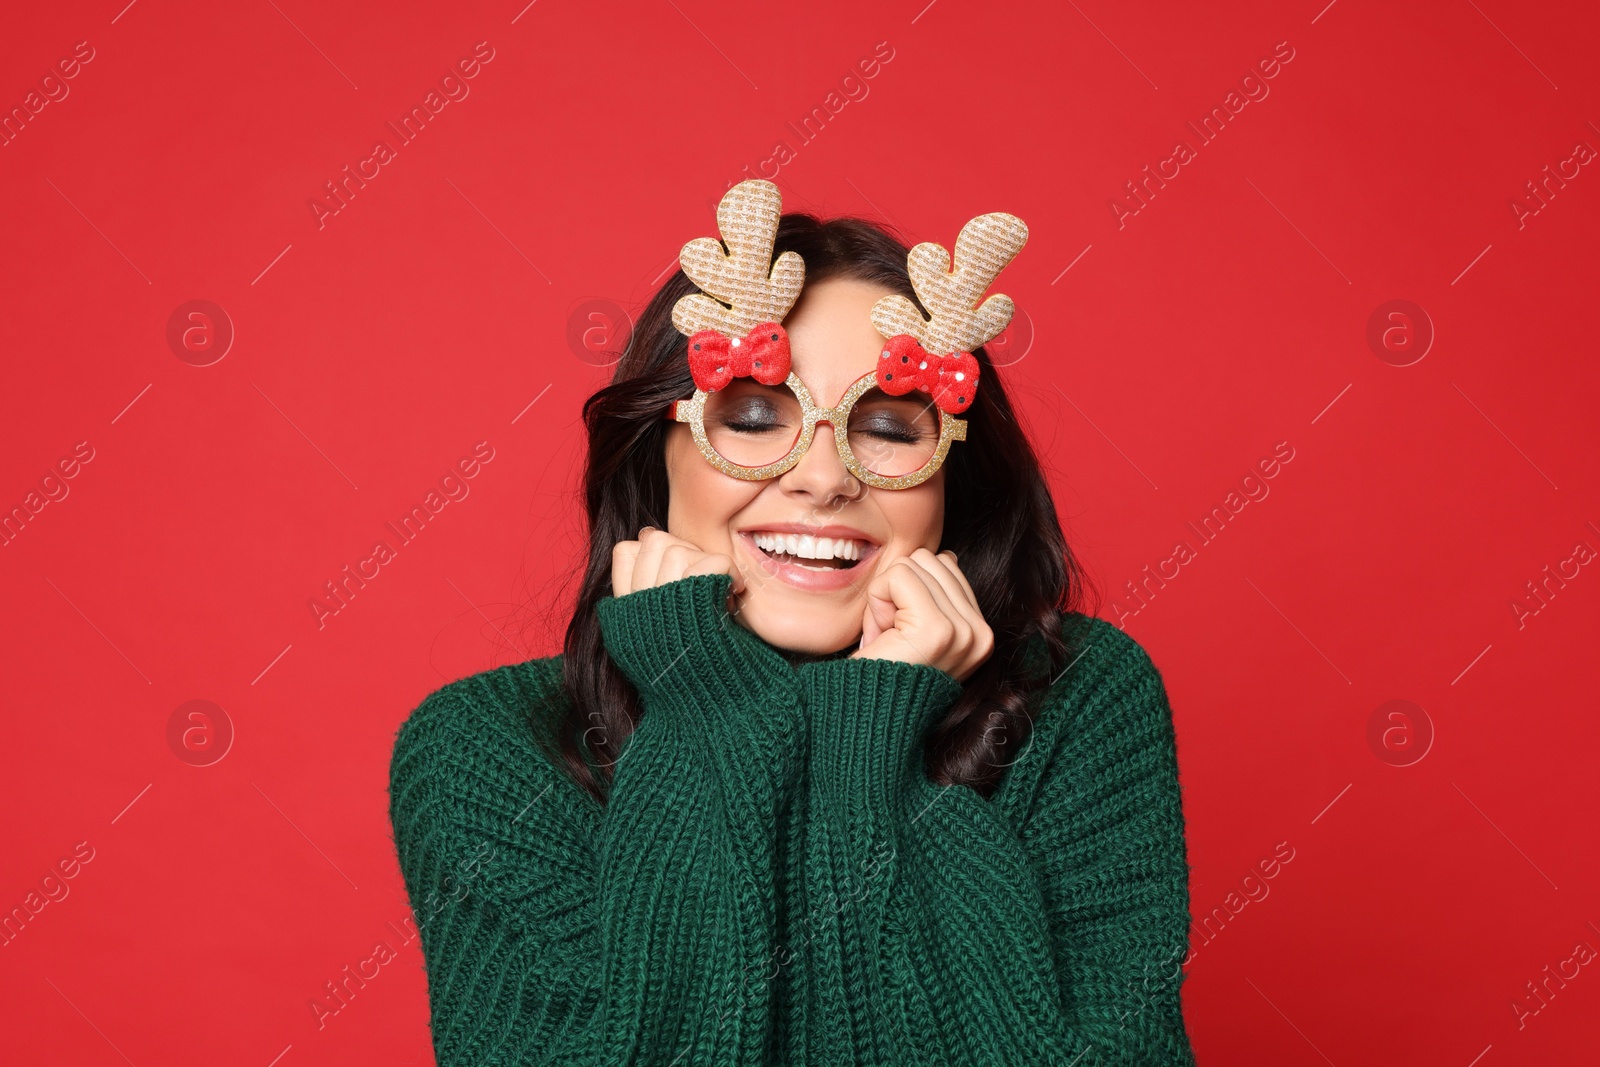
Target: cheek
[[701, 500], [916, 515]]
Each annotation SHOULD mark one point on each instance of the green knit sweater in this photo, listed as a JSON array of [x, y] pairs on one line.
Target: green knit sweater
[[773, 879]]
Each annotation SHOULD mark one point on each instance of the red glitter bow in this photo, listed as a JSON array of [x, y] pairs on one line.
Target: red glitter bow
[[762, 354], [951, 379]]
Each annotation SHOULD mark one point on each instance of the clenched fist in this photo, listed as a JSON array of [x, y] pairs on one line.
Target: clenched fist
[[920, 609], [657, 558]]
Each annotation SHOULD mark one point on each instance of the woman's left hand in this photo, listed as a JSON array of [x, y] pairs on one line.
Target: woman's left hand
[[921, 610]]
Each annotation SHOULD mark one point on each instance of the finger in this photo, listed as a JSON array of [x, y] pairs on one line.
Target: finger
[[980, 640], [652, 543], [959, 633], [949, 579], [960, 592], [675, 560], [911, 589], [716, 563], [881, 606], [955, 568], [918, 616], [881, 611], [942, 586], [623, 556], [869, 626]]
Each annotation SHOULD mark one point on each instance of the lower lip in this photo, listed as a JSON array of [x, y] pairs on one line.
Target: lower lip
[[824, 581]]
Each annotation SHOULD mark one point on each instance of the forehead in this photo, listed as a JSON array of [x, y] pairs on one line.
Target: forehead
[[832, 341]]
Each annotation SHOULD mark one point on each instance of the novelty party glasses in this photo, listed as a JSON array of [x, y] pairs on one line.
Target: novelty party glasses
[[754, 431], [753, 418]]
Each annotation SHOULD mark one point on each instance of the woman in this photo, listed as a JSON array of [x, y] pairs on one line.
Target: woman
[[831, 770]]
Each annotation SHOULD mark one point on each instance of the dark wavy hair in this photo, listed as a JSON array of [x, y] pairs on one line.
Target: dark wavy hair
[[1000, 520]]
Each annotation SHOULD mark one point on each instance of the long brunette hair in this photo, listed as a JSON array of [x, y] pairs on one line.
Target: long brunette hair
[[1000, 520]]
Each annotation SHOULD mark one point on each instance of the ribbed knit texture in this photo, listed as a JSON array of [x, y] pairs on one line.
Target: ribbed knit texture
[[775, 880]]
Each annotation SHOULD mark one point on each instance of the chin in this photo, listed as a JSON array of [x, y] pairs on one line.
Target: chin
[[814, 629]]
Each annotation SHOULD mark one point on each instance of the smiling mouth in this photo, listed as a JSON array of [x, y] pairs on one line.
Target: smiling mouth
[[812, 553]]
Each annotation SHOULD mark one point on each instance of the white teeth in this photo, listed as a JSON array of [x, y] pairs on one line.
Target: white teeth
[[808, 547]]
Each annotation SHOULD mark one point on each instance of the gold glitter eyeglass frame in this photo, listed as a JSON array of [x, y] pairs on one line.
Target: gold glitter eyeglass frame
[[692, 412]]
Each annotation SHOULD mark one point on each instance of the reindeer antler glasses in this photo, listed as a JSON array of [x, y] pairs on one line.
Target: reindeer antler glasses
[[751, 415]]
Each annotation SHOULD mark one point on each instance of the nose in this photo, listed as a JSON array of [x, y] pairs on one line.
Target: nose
[[820, 474]]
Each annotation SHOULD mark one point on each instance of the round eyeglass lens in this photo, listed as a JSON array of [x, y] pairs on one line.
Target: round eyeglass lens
[[752, 425], [893, 435]]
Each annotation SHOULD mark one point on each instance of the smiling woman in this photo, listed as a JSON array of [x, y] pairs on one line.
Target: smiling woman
[[832, 769]]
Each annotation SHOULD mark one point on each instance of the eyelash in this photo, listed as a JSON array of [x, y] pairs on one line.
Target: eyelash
[[906, 437]]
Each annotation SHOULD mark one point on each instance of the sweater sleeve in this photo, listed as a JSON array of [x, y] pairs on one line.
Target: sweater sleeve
[[988, 939], [557, 931]]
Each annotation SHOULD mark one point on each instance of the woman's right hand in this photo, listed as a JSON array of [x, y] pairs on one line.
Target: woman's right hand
[[657, 558]]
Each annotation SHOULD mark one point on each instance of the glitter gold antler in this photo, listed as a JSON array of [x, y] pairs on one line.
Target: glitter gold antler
[[934, 354], [739, 332]]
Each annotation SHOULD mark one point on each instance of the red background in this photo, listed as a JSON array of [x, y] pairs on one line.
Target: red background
[[371, 353]]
